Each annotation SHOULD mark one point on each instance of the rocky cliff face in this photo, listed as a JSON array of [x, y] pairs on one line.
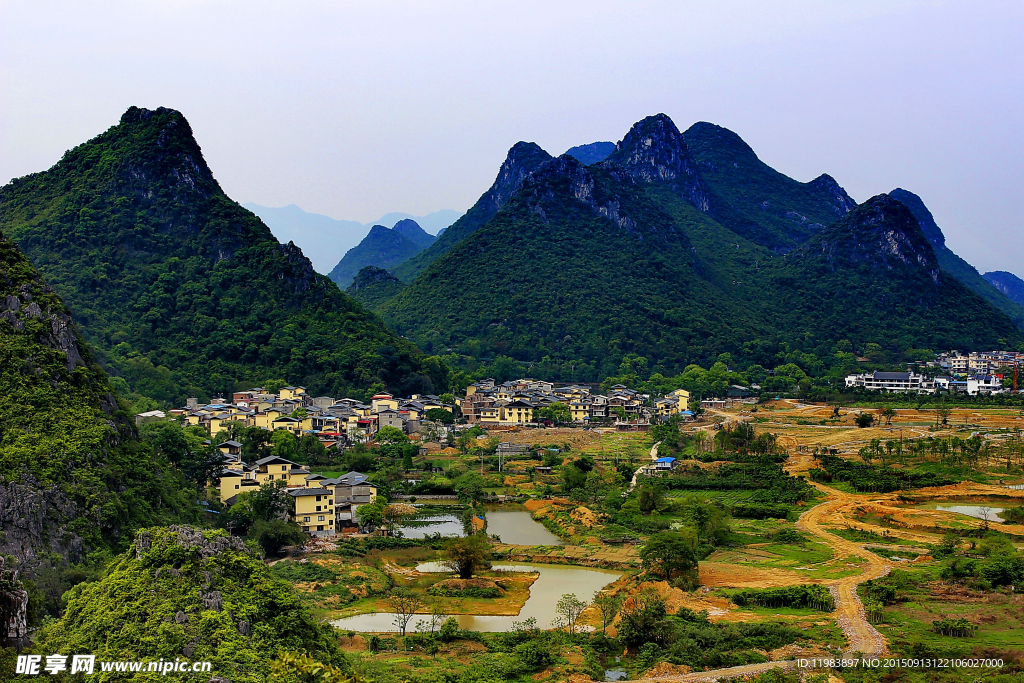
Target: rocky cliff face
[[653, 150], [13, 608], [881, 233], [840, 202], [1009, 284], [923, 215], [522, 160], [67, 456]]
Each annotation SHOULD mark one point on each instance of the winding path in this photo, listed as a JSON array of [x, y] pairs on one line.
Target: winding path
[[849, 614]]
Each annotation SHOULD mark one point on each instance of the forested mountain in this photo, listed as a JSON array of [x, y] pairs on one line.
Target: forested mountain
[[183, 290], [956, 266], [679, 254], [1007, 283], [382, 247], [522, 160], [870, 273], [756, 201], [73, 477], [373, 286]]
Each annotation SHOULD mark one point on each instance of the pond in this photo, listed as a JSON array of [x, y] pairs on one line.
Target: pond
[[519, 528], [554, 581], [976, 510], [446, 525]]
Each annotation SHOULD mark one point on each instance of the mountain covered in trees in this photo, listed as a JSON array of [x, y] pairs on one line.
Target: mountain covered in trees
[[678, 247], [74, 479], [384, 248], [1007, 283], [183, 291]]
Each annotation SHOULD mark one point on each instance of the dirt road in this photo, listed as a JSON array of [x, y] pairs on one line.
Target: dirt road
[[718, 674], [849, 614]]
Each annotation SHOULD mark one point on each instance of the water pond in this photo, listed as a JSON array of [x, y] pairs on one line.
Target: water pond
[[554, 581], [519, 528], [446, 525], [976, 510]]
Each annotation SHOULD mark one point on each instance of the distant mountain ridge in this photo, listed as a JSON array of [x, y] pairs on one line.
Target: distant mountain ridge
[[384, 248], [956, 266], [678, 247], [325, 240], [592, 153], [522, 160], [1007, 283], [185, 292]]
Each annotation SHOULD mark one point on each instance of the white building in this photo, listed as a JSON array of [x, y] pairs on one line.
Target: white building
[[893, 382]]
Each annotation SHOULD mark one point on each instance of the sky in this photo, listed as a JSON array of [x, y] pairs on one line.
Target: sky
[[356, 109]]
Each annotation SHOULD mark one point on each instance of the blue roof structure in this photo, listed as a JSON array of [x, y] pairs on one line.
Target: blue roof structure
[[665, 460]]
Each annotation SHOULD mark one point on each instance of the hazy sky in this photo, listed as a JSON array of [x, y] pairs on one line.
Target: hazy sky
[[355, 109]]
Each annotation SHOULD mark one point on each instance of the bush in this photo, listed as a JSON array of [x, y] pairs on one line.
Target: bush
[[813, 596], [533, 654]]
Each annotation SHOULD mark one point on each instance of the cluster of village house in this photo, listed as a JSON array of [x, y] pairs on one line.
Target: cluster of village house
[[324, 506], [517, 402]]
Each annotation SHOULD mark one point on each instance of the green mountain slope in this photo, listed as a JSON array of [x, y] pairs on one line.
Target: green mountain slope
[[181, 592], [578, 266], [639, 254], [874, 275], [523, 159], [1007, 283], [382, 247], [183, 290], [73, 477], [373, 286], [956, 266], [755, 200]]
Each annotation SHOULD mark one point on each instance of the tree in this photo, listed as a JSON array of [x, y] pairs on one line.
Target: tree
[[255, 443], [275, 534], [441, 415], [404, 604], [670, 552], [568, 611], [470, 488], [865, 420], [609, 606], [644, 620], [466, 555], [285, 445], [888, 413], [942, 414], [389, 435]]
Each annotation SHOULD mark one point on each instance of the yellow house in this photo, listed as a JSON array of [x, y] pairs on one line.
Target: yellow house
[[266, 418], [383, 402], [314, 510], [272, 469], [292, 393], [682, 397], [516, 412], [290, 423], [233, 482], [490, 414], [579, 411]]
